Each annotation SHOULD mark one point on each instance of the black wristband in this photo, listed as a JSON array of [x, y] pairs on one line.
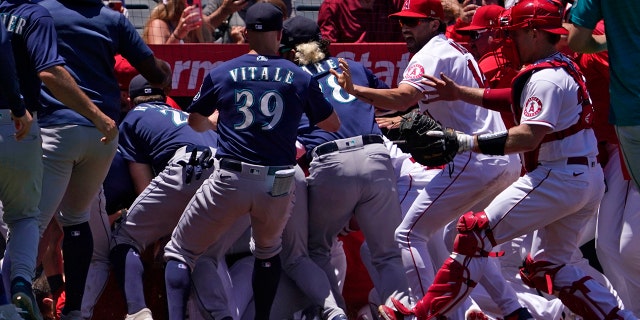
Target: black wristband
[[493, 143]]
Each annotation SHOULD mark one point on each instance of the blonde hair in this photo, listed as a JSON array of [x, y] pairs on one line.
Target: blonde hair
[[170, 13], [312, 52]]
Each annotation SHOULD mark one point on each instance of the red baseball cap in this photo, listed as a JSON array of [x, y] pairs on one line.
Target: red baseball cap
[[486, 17], [124, 72], [420, 9]]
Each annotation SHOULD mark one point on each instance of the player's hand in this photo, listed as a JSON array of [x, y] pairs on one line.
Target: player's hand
[[389, 122], [23, 125], [443, 89], [107, 127], [344, 78]]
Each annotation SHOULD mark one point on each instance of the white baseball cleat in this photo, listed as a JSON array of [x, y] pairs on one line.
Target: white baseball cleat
[[143, 314]]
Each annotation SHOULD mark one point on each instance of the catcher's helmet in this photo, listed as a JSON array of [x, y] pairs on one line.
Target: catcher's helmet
[[545, 15]]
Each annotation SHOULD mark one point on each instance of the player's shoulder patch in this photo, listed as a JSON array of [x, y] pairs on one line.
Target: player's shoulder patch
[[532, 107], [414, 72]]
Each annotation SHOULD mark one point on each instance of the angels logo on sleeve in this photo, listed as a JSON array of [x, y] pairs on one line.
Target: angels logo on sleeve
[[533, 107], [414, 72]]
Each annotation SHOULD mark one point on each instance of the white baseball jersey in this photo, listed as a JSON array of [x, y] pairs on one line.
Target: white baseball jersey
[[544, 106], [443, 55]]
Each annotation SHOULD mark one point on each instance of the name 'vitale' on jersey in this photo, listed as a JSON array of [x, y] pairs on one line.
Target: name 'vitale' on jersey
[[276, 74]]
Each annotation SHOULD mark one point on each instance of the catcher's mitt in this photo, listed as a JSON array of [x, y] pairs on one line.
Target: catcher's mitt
[[428, 150]]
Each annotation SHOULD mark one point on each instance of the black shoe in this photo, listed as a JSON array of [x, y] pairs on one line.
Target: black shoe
[[22, 297]]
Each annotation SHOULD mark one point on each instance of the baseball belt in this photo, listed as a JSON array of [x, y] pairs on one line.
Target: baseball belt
[[333, 146], [235, 165]]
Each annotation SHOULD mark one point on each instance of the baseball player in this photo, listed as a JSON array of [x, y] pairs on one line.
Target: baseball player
[[618, 213], [260, 98], [557, 196], [167, 160], [472, 180], [622, 38], [35, 50], [20, 178], [353, 159], [90, 35], [295, 296]]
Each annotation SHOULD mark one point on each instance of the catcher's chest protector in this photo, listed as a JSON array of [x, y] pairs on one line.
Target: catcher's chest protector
[[530, 158]]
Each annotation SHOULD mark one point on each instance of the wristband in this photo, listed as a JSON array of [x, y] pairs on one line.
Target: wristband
[[493, 143]]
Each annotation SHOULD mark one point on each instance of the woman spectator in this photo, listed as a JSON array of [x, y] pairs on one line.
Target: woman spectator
[[174, 22]]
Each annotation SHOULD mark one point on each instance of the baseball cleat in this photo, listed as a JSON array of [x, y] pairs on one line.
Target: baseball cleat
[[475, 314], [387, 313], [143, 314]]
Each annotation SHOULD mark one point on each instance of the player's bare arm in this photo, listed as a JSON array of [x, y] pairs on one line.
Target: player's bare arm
[[23, 125], [141, 175], [201, 123], [331, 123], [401, 98], [65, 89], [525, 137], [156, 71], [583, 40], [521, 138]]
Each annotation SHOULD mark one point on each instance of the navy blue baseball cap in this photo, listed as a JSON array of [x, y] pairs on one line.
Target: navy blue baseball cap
[[297, 30], [139, 86], [263, 17]]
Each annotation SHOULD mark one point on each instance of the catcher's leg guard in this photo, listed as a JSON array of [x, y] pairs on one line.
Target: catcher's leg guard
[[454, 281], [584, 297]]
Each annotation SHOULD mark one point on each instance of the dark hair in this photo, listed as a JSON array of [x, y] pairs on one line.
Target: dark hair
[[147, 99]]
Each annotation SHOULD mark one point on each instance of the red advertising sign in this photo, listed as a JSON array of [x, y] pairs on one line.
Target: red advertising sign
[[190, 62]]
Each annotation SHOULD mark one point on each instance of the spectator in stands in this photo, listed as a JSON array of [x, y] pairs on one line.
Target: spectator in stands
[[175, 22], [223, 17], [359, 20], [226, 17]]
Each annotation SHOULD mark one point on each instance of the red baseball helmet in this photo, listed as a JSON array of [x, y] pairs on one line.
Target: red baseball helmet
[[540, 14]]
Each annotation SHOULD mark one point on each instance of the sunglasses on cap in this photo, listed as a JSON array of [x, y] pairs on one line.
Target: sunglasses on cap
[[411, 22]]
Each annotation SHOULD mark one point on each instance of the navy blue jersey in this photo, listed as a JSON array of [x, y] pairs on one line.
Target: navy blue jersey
[[89, 36], [152, 132], [356, 116], [9, 88], [261, 100], [33, 38], [118, 187]]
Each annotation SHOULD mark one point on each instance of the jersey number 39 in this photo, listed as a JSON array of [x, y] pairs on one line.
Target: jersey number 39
[[270, 106]]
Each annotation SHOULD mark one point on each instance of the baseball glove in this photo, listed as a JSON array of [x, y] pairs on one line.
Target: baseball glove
[[427, 149]]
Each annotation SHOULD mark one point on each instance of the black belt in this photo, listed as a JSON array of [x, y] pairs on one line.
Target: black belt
[[581, 160], [235, 165], [332, 146]]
